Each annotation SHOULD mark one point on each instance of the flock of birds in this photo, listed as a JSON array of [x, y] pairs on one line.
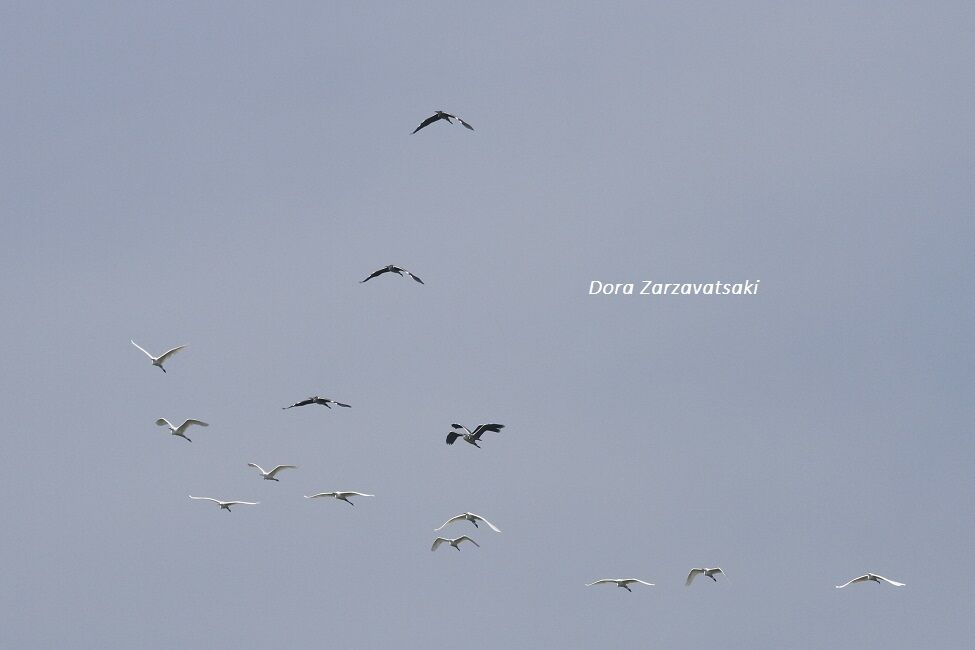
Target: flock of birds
[[459, 431]]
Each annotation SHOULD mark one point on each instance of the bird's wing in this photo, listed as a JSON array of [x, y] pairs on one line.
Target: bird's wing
[[452, 436], [375, 273], [341, 404], [717, 570], [891, 582], [143, 349], [602, 581], [188, 423], [206, 499], [460, 426], [163, 422], [414, 277], [465, 123], [427, 122], [860, 579], [690, 576], [490, 525], [482, 428], [356, 494], [632, 580], [461, 539], [450, 521], [321, 494], [304, 402], [437, 542], [241, 503], [257, 467], [168, 353], [279, 468]]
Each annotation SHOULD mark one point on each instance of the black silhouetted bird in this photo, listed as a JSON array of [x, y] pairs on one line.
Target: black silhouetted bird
[[440, 115], [472, 436], [391, 269], [324, 401]]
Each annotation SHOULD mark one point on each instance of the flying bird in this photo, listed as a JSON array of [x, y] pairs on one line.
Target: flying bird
[[269, 476], [709, 573], [471, 517], [620, 582], [874, 577], [181, 429], [391, 269], [324, 401], [453, 542], [161, 359], [225, 505], [472, 436], [343, 496], [440, 115]]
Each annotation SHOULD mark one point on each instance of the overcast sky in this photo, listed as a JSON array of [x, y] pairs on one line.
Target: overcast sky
[[222, 174]]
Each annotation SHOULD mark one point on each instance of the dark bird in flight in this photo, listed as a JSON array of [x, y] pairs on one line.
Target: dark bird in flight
[[472, 436], [324, 401], [440, 115], [391, 269]]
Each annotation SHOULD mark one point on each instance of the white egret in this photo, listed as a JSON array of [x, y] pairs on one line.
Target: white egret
[[620, 582], [471, 517], [453, 542], [342, 496], [181, 429], [874, 577], [161, 359], [269, 476], [709, 573], [225, 505]]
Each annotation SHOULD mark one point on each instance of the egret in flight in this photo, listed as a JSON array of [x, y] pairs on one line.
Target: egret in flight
[[181, 429], [621, 582], [453, 542], [161, 359], [342, 496], [871, 576], [269, 476], [709, 573], [471, 517], [225, 505]]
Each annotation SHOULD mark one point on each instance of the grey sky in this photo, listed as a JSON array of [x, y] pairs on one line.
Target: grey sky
[[223, 175]]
